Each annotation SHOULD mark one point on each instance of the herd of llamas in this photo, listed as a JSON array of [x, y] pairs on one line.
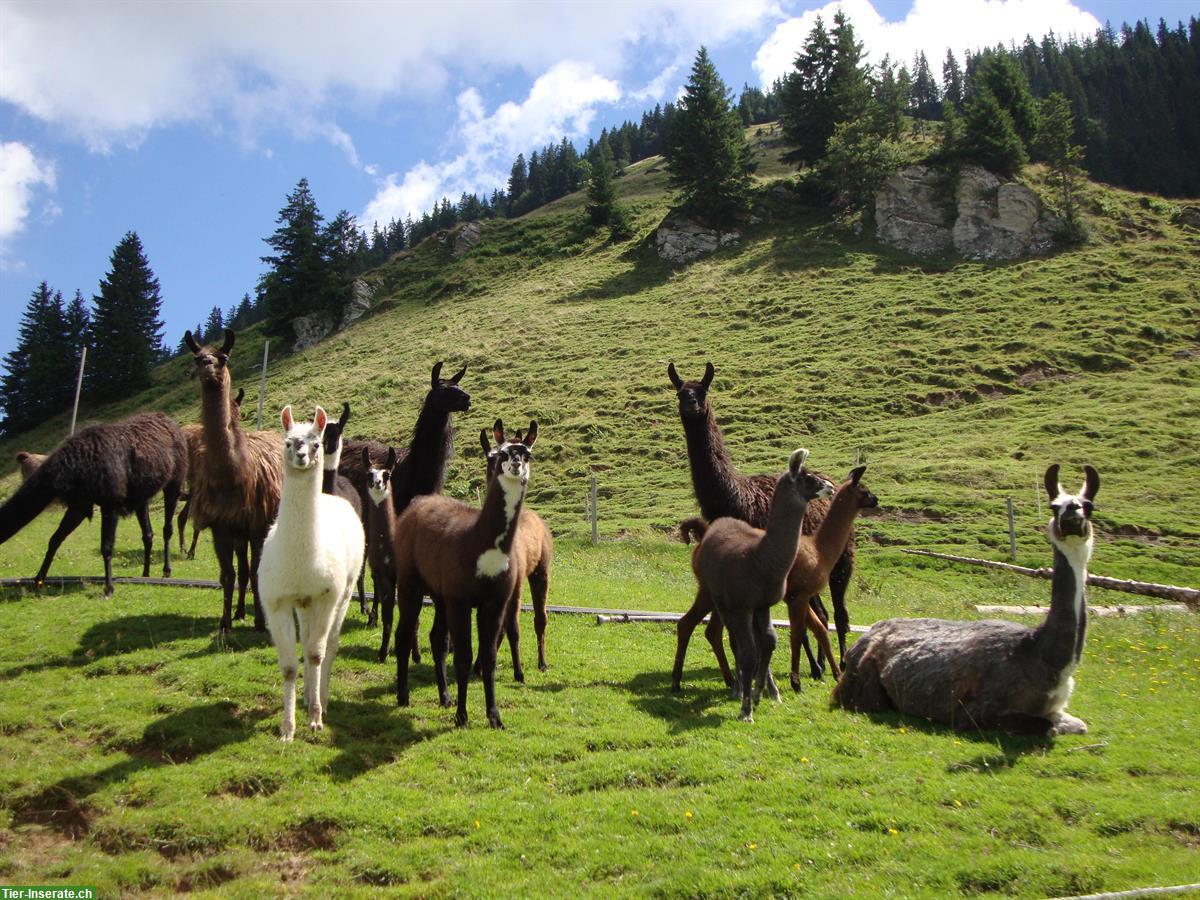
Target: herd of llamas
[[303, 516]]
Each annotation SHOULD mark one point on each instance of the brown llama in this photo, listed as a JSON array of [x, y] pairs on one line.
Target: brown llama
[[380, 520], [238, 478], [722, 491], [533, 553], [119, 467], [464, 558], [742, 571], [28, 463], [194, 431], [421, 466], [972, 675]]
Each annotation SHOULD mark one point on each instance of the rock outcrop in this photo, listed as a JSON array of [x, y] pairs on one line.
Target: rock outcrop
[[466, 237], [680, 240], [929, 212], [315, 327]]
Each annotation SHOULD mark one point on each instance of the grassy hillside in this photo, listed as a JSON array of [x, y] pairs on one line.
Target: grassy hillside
[[139, 750]]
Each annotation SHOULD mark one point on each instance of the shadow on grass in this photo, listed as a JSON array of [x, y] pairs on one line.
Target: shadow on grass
[[368, 735], [645, 271], [1005, 749], [17, 592], [696, 707], [175, 739]]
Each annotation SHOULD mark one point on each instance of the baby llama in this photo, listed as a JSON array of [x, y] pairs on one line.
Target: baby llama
[[310, 561]]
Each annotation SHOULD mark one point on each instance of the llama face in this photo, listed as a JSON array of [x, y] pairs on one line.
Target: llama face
[[693, 395], [1072, 512], [863, 498], [445, 395], [511, 461], [302, 440], [378, 481]]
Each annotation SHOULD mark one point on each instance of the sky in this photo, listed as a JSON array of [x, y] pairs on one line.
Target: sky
[[190, 122]]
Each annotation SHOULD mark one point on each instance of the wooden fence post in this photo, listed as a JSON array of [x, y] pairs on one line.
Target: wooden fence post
[[262, 384], [1012, 531], [78, 387], [592, 512]]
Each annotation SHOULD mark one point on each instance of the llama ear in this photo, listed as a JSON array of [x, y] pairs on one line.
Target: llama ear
[[709, 372], [345, 417], [532, 435], [498, 432], [1053, 489], [674, 376], [856, 473], [1091, 483], [191, 342], [286, 417], [241, 395], [796, 461], [458, 375], [391, 460], [484, 442], [229, 338], [319, 419], [366, 458], [437, 371]]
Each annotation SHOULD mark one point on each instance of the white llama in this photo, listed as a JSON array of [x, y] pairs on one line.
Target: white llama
[[310, 562]]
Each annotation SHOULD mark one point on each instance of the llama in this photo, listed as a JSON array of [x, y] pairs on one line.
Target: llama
[[238, 478], [339, 485], [742, 571], [819, 552], [534, 550], [28, 463], [380, 519], [194, 432], [464, 558], [310, 560], [987, 674], [722, 491], [421, 467], [119, 467]]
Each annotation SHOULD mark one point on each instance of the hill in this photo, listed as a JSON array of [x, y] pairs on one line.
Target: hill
[[958, 382]]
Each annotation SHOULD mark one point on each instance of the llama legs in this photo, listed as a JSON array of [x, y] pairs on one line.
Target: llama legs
[[489, 618], [143, 517], [387, 603], [767, 640], [256, 545], [70, 521], [539, 589], [283, 633], [170, 498], [108, 538], [223, 545], [745, 653], [459, 621], [839, 580], [243, 578], [439, 645], [181, 524], [409, 596], [701, 607], [331, 646]]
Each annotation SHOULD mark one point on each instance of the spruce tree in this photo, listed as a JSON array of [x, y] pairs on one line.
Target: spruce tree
[[1063, 156], [602, 196], [989, 137], [79, 325], [806, 106], [296, 282], [339, 239], [214, 326], [999, 74], [708, 158], [952, 83], [126, 330], [38, 379]]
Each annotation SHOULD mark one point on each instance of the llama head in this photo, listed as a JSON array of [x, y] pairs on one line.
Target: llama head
[[1072, 512], [211, 364], [693, 395], [302, 440], [510, 461], [498, 433], [379, 480], [856, 492], [332, 441], [806, 485], [444, 393]]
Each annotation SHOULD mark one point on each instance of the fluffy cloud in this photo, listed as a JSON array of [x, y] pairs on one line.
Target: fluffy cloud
[[110, 72], [561, 102], [931, 25], [21, 173]]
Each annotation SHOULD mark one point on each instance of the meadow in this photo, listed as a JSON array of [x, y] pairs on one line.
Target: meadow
[[140, 750]]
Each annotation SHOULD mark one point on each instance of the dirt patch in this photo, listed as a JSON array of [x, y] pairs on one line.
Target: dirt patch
[[205, 878], [1129, 531], [311, 834], [993, 391], [250, 786], [1035, 372], [57, 809], [909, 516]]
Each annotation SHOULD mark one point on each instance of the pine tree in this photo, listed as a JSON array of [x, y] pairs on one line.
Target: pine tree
[[1063, 156], [339, 239], [296, 282], [926, 102], [806, 106], [952, 83], [79, 325], [602, 196], [1000, 75], [38, 381], [214, 326], [126, 330], [707, 155], [989, 137]]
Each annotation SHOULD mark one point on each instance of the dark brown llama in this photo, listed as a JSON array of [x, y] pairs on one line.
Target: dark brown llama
[[238, 478], [194, 432], [742, 571], [421, 466], [533, 553], [722, 491], [339, 485], [464, 558], [119, 467]]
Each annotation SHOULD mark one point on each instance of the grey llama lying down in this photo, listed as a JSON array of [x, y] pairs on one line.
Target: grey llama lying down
[[987, 674]]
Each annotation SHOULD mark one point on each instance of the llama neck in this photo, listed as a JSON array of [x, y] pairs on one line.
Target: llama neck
[[298, 503], [330, 471], [431, 446], [714, 478], [497, 524], [216, 420], [778, 546], [829, 541], [1060, 636]]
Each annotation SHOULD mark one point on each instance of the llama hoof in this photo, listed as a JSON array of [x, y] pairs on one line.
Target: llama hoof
[[460, 719], [191, 554], [372, 620], [260, 624], [773, 693], [746, 717], [240, 613], [286, 737], [542, 667], [402, 699], [676, 687], [735, 694], [1067, 724], [108, 591], [445, 702], [755, 697], [416, 656], [494, 719], [383, 656], [519, 675], [166, 573], [316, 726], [794, 681]]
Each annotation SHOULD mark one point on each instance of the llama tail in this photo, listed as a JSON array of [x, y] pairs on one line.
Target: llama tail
[[693, 529], [30, 499]]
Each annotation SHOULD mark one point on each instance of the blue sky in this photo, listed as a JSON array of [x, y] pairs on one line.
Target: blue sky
[[189, 122]]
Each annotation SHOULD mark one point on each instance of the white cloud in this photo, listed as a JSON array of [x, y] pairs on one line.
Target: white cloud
[[931, 25], [21, 173], [561, 102], [110, 72]]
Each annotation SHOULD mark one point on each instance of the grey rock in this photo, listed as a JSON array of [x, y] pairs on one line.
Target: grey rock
[[358, 304], [1190, 216], [680, 240], [311, 329], [466, 237]]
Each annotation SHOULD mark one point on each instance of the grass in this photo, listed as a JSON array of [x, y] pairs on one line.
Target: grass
[[140, 752]]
